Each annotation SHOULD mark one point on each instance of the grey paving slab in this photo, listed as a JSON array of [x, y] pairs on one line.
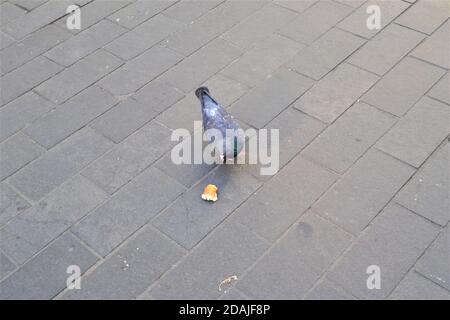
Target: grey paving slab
[[143, 37], [271, 97], [17, 152], [190, 10], [95, 11], [336, 92], [295, 5], [440, 90], [315, 21], [436, 48], [427, 192], [418, 133], [10, 12], [353, 3], [28, 4], [393, 242], [6, 266], [140, 71], [189, 219], [228, 251], [342, 143], [21, 112], [30, 231], [233, 294], [11, 204], [158, 95], [138, 12], [37, 18], [59, 164], [226, 90], [71, 116], [435, 263], [130, 157], [325, 53], [136, 265], [45, 275], [432, 13], [366, 188], [201, 65], [258, 26], [31, 47], [282, 200], [211, 25], [262, 60], [5, 40], [327, 290], [84, 43], [356, 23], [403, 86], [293, 265], [26, 77], [79, 76], [374, 57], [416, 287], [128, 210]]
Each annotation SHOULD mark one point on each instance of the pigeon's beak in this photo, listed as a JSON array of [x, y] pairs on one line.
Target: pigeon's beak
[[200, 91]]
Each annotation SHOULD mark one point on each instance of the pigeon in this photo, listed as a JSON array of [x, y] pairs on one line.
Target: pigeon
[[216, 117]]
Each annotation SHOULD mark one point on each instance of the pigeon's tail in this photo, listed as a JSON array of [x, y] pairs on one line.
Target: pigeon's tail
[[200, 91]]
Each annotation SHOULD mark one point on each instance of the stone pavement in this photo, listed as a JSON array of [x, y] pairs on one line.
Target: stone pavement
[[87, 179]]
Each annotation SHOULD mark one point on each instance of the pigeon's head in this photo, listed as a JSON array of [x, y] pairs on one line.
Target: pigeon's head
[[200, 91]]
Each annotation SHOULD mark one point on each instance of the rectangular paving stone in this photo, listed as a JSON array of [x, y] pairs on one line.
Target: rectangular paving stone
[[327, 290], [136, 265], [146, 35], [6, 266], [264, 58], [291, 267], [28, 4], [79, 76], [26, 77], [259, 25], [9, 12], [130, 157], [195, 35], [342, 143], [233, 294], [315, 21], [374, 57], [85, 42], [427, 192], [282, 200], [366, 188], [16, 153], [440, 90], [139, 71], [416, 287], [336, 92], [356, 23], [5, 40], [436, 48], [138, 12], [420, 131], [131, 208], [228, 251], [95, 11], [190, 10], [296, 130], [11, 203], [198, 67], [431, 13], [32, 46], [45, 275], [189, 219], [295, 5], [30, 231], [271, 97], [354, 3], [435, 263], [325, 53], [403, 86], [71, 116], [393, 242], [37, 18], [59, 164], [225, 90]]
